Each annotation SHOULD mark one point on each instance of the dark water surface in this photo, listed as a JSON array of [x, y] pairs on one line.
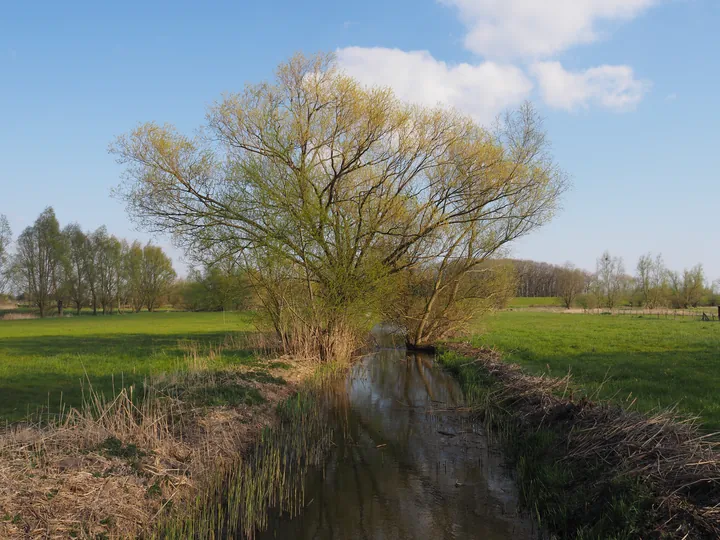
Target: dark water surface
[[406, 465]]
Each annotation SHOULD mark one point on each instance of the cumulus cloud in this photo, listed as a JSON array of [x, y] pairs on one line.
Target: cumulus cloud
[[534, 28], [482, 90], [612, 87], [509, 34]]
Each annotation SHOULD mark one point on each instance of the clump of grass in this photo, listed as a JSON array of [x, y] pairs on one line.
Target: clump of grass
[[237, 499], [136, 454], [113, 446], [593, 469]]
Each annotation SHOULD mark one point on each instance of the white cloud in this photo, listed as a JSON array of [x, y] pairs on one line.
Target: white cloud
[[538, 28], [612, 87], [481, 90]]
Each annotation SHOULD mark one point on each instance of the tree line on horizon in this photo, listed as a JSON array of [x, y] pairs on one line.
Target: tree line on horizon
[[652, 286], [56, 268], [53, 268]]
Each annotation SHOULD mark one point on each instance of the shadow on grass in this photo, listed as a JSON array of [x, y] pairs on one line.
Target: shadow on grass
[[125, 344], [688, 379], [41, 372]]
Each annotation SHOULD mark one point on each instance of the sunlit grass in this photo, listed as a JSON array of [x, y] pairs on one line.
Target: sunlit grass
[[42, 361], [659, 362]]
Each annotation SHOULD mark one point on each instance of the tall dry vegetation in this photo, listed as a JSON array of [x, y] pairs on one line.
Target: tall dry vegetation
[[337, 198], [112, 467]]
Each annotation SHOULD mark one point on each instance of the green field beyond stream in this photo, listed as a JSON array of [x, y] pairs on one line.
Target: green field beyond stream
[[659, 362]]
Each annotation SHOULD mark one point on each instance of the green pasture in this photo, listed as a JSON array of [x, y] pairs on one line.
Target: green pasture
[[45, 360], [658, 362]]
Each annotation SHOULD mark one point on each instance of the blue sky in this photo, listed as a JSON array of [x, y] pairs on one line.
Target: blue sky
[[628, 89]]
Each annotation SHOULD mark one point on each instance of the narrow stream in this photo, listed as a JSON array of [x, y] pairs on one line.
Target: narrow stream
[[406, 464]]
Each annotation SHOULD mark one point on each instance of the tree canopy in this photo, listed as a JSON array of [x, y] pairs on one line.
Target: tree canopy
[[335, 190]]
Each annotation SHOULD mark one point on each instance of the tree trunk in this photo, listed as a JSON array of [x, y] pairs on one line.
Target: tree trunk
[[60, 308]]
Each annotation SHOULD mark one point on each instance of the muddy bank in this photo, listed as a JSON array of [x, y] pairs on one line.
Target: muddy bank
[[593, 469]]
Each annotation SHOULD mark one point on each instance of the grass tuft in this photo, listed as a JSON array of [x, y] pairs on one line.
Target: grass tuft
[[592, 469]]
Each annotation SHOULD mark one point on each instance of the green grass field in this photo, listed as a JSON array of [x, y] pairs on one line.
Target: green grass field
[[42, 360], [660, 362]]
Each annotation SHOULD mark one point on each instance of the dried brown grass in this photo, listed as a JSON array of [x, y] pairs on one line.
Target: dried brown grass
[[58, 479], [18, 316], [665, 450]]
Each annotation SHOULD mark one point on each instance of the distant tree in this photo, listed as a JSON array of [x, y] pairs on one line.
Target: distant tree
[[714, 293], [652, 280], [190, 293], [610, 279], [76, 271], [95, 244], [108, 256], [213, 288], [644, 267], [694, 280], [536, 279], [5, 241], [157, 275], [122, 291], [134, 269], [687, 288], [39, 261], [570, 283]]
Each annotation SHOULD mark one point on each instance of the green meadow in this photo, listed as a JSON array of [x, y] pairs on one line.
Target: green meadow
[[44, 361], [658, 362]]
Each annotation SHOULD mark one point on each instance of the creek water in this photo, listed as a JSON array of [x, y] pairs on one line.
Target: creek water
[[406, 463]]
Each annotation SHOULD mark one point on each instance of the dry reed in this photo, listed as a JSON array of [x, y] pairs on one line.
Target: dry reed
[[113, 466], [664, 450]]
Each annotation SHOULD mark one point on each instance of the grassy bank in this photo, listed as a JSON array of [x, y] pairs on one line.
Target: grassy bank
[[653, 362], [42, 361], [266, 482], [592, 470], [167, 425]]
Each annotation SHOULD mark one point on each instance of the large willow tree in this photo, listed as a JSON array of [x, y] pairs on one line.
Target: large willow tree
[[332, 194]]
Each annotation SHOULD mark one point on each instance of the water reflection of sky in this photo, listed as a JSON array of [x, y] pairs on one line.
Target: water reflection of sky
[[396, 474]]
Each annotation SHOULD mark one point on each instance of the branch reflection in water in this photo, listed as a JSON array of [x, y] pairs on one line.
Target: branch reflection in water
[[406, 464]]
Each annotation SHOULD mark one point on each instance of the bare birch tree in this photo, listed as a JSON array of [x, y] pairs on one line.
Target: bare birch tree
[[5, 241]]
